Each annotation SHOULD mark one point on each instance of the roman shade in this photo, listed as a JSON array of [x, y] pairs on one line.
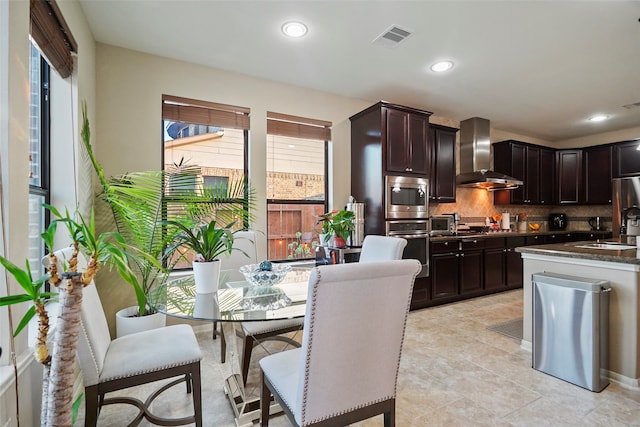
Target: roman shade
[[206, 113], [52, 35], [298, 127]]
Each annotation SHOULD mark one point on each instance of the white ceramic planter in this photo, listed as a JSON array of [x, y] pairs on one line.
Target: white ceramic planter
[[128, 321], [206, 276]]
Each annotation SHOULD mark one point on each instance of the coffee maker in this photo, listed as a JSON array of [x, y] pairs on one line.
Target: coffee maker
[[557, 221]]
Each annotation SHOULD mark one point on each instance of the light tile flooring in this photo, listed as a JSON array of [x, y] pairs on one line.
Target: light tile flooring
[[454, 372]]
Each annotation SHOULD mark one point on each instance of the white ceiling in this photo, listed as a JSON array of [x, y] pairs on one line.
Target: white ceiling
[[539, 68]]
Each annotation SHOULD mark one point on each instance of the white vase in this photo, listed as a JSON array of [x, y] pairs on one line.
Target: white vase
[[128, 321], [206, 275]]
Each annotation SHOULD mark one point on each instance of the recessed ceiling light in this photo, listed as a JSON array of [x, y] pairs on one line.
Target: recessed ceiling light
[[294, 29], [442, 66], [598, 118]]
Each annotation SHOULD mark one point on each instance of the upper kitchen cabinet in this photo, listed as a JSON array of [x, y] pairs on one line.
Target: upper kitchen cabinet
[[626, 159], [597, 174], [443, 164], [406, 141], [399, 134], [532, 164], [569, 167], [386, 139]]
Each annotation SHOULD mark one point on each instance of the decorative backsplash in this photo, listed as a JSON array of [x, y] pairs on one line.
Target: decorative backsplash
[[474, 205]]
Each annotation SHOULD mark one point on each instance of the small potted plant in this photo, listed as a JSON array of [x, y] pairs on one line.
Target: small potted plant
[[337, 224], [207, 242]]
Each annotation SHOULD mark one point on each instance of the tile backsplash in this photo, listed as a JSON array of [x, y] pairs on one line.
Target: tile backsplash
[[474, 205]]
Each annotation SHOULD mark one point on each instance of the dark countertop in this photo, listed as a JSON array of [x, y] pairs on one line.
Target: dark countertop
[[570, 250], [514, 234]]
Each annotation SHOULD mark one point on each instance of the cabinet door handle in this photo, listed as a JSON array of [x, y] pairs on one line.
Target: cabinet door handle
[[462, 255]]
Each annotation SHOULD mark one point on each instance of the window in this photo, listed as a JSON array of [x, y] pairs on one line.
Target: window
[[39, 138], [214, 137], [296, 184]]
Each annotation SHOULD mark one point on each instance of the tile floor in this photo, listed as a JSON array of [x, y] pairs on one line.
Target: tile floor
[[454, 372]]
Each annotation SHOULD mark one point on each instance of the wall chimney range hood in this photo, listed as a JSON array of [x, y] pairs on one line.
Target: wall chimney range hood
[[475, 158]]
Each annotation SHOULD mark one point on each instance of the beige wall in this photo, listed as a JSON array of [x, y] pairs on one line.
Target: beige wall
[[14, 104], [128, 134]]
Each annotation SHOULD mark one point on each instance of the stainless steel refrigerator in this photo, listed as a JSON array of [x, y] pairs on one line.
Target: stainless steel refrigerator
[[626, 208]]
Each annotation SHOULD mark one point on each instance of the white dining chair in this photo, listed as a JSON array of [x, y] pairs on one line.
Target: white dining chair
[[140, 358], [382, 248], [252, 333], [347, 367]]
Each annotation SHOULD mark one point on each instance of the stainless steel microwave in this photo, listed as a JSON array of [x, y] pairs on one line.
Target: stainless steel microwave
[[442, 225], [406, 197]]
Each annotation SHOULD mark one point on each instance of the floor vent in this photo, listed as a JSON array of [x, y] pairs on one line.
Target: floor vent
[[392, 36]]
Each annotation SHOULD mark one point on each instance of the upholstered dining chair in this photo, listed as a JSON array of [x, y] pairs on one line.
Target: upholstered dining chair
[[252, 333], [382, 248], [347, 367], [144, 357]]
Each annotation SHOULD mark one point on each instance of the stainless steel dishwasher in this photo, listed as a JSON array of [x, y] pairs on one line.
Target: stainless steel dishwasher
[[571, 328]]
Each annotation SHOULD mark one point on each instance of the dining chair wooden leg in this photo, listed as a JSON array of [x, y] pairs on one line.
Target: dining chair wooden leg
[[390, 417], [92, 406], [223, 346], [265, 403], [197, 393], [247, 349], [223, 341]]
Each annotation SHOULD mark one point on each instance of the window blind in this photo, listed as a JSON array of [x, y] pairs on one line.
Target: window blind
[[50, 32], [204, 113], [298, 127]]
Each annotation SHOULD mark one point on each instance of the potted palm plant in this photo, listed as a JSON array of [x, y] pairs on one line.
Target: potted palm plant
[[208, 243], [140, 201]]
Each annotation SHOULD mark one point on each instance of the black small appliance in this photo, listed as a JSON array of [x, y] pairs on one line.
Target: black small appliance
[[557, 221]]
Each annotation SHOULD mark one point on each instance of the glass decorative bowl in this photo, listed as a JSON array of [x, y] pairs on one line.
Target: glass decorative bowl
[[258, 277]]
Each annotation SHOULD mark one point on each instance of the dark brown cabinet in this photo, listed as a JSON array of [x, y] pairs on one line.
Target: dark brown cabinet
[[547, 177], [597, 174], [494, 264], [443, 163], [444, 270], [471, 266], [569, 167], [406, 141], [626, 159], [513, 260], [386, 139], [533, 164]]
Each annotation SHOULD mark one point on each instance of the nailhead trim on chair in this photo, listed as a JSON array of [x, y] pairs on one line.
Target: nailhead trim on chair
[[91, 351], [307, 362], [160, 368]]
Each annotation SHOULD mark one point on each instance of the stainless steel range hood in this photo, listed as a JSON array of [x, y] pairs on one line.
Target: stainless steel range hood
[[475, 158]]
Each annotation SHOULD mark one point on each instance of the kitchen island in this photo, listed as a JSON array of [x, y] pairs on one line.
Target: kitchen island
[[622, 269]]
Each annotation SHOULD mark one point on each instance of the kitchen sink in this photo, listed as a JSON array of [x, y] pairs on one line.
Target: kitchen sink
[[615, 246]]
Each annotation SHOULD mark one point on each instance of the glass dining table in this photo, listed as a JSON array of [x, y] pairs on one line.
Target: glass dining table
[[237, 300]]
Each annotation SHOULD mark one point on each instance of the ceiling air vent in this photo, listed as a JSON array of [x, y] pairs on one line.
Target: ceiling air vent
[[392, 36], [630, 106]]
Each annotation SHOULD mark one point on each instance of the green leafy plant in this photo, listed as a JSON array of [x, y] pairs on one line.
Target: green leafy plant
[[338, 222], [207, 241], [298, 248]]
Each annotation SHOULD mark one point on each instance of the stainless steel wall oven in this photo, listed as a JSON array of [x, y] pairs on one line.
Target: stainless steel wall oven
[[416, 232]]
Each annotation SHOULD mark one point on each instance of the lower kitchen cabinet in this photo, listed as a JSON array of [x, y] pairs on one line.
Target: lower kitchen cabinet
[[471, 266], [444, 270], [494, 264], [462, 268], [513, 262]]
